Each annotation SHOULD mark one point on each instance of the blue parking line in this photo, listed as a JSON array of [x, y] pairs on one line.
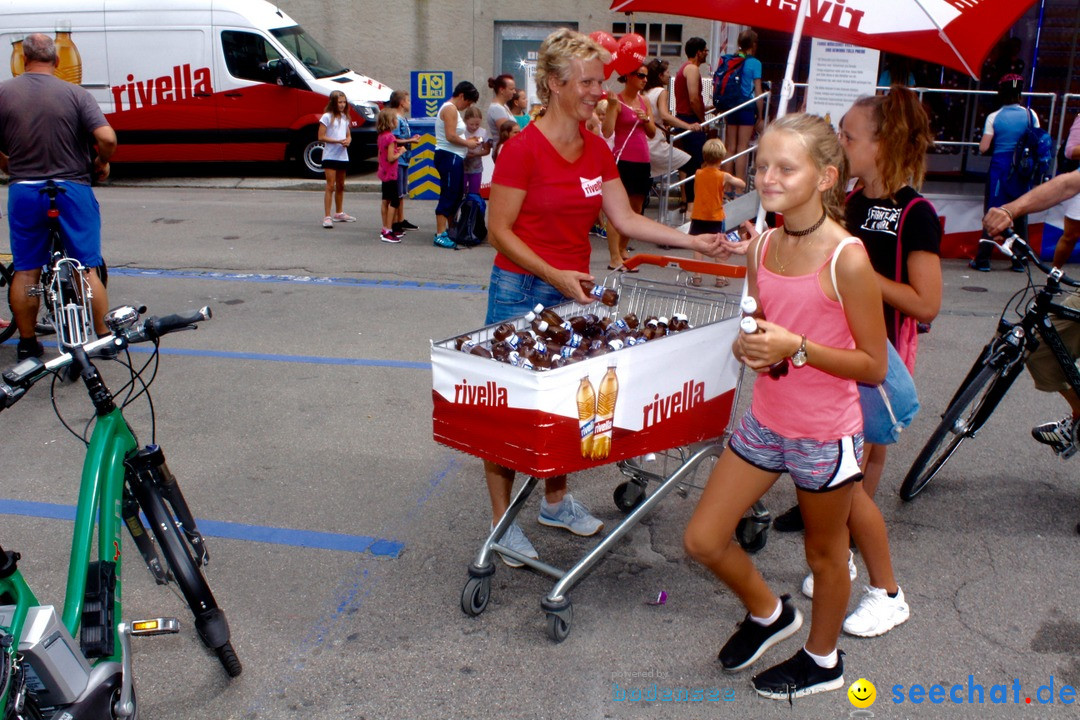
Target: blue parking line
[[272, 357], [234, 531], [298, 280]]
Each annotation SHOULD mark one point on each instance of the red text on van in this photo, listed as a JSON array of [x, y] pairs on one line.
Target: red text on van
[[181, 85]]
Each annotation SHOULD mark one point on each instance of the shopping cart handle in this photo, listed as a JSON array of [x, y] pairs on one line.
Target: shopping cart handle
[[695, 266]]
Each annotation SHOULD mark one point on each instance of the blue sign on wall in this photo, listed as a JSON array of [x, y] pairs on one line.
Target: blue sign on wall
[[430, 89]]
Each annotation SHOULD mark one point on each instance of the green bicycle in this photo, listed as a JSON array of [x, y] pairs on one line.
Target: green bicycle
[[78, 665]]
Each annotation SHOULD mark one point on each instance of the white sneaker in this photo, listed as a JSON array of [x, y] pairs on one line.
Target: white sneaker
[[808, 582], [514, 538], [343, 217], [877, 613], [328, 222]]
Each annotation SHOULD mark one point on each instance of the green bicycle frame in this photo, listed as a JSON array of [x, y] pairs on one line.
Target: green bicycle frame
[[101, 488]]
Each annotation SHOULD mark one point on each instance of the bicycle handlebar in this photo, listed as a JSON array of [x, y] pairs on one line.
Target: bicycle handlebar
[[16, 380], [1012, 240]]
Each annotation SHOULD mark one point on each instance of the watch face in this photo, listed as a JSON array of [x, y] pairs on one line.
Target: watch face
[[799, 358]]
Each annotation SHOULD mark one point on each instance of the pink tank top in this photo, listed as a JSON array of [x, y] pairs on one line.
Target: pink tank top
[[630, 141], [805, 403]]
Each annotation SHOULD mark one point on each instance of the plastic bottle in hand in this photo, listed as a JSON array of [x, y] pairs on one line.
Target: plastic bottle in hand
[[607, 296], [749, 325]]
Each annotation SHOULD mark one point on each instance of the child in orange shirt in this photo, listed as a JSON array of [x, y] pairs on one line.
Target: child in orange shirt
[[710, 183]]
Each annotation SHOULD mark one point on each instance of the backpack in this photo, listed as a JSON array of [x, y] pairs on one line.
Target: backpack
[[470, 228], [727, 83], [1033, 155]]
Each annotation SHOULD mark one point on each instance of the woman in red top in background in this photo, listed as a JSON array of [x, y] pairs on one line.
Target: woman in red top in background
[[550, 183]]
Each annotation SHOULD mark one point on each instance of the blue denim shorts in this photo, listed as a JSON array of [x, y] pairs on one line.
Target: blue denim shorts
[[513, 294], [815, 465], [80, 224]]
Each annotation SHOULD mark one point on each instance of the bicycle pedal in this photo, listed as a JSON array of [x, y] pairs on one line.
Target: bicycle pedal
[[154, 626]]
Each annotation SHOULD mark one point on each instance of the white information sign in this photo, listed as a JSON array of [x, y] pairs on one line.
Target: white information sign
[[839, 74]]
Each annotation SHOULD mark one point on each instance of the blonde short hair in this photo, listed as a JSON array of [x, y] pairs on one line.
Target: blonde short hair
[[556, 54], [713, 151], [387, 120]]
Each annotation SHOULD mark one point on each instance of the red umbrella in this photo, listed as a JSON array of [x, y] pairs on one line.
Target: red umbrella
[[955, 33]]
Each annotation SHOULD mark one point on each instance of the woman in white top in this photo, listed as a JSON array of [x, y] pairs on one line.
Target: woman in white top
[[663, 157], [451, 145], [499, 112]]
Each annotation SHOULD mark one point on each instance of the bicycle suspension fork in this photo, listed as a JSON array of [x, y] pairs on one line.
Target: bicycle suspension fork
[[148, 466]]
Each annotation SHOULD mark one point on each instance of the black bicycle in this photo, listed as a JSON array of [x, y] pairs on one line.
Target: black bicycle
[[63, 287], [999, 364]]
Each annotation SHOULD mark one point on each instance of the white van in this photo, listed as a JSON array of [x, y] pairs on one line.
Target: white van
[[198, 80]]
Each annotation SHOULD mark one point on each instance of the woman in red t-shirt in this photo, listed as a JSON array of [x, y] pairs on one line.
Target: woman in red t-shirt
[[549, 185]]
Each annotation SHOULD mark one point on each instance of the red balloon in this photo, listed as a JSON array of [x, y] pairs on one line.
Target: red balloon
[[605, 40], [609, 43], [630, 54]]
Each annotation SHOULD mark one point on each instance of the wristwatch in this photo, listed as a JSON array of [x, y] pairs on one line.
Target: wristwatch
[[799, 358]]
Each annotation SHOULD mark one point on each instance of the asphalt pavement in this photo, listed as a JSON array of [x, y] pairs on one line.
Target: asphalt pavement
[[298, 422]]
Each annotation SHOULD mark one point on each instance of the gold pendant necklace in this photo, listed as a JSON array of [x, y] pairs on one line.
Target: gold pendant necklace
[[795, 253]]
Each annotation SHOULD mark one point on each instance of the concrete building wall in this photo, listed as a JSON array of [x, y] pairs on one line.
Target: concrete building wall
[[387, 39]]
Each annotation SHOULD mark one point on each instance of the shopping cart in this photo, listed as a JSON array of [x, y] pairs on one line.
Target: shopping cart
[[674, 416]]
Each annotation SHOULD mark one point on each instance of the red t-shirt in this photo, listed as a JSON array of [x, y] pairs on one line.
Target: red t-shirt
[[562, 199]]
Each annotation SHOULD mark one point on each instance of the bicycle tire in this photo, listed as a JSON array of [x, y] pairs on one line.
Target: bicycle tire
[[210, 620], [6, 272], [964, 417]]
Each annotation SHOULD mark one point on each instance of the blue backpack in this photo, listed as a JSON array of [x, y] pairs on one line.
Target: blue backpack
[[727, 84], [1033, 155]]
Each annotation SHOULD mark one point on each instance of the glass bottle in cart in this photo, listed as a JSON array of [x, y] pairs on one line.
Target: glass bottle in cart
[[586, 408], [605, 413]]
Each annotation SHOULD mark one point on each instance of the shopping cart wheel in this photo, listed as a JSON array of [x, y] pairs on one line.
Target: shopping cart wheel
[[558, 623], [475, 596], [752, 533], [629, 495]]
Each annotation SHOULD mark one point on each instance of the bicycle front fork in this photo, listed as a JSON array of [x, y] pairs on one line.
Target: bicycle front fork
[[148, 466]]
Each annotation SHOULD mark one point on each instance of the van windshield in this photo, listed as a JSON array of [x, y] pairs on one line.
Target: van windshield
[[304, 48]]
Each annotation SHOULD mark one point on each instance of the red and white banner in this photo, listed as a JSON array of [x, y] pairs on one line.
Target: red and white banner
[[670, 392]]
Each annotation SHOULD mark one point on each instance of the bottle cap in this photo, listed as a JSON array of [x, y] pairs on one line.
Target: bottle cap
[[748, 305], [542, 326], [539, 308], [530, 316], [748, 325]]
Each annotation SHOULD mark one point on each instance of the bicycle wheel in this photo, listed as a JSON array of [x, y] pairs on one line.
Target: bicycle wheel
[[7, 322], [210, 620], [964, 417]]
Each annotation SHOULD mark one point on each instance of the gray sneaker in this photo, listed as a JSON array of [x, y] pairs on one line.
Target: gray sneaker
[[514, 538], [569, 515]]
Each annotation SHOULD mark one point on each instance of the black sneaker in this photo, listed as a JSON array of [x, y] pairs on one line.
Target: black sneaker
[[799, 675], [406, 225], [29, 348], [751, 639], [791, 521], [398, 229], [1060, 435]]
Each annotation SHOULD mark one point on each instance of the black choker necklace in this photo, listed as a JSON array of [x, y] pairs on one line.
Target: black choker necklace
[[807, 231]]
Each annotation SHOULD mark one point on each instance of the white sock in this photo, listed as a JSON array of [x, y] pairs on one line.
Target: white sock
[[765, 622], [824, 661]]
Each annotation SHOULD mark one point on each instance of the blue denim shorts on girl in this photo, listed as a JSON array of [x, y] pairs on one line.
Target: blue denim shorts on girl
[[814, 465]]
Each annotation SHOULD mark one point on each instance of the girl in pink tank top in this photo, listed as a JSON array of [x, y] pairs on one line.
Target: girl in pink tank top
[[804, 419]]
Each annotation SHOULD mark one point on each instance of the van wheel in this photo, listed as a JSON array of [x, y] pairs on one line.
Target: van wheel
[[308, 152]]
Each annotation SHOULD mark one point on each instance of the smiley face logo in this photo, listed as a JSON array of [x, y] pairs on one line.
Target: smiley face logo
[[862, 693]]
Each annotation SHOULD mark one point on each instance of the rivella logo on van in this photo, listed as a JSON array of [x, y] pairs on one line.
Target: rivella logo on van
[[184, 83]]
